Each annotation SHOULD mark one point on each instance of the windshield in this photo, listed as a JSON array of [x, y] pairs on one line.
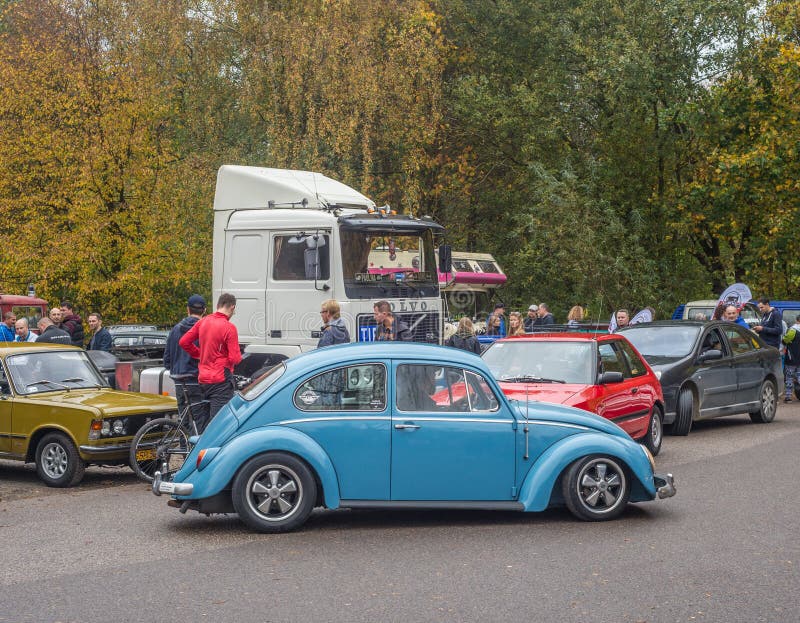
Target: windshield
[[36, 373], [379, 260], [671, 342], [539, 361], [259, 385]]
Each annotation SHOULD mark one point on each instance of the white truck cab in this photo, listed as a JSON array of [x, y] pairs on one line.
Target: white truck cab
[[285, 241]]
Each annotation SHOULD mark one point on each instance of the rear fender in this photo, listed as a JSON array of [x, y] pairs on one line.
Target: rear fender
[[220, 471], [543, 475]]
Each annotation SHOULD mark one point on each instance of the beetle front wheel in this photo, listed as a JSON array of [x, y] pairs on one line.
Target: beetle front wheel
[[596, 488]]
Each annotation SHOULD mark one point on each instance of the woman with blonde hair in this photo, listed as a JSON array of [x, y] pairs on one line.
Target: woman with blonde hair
[[516, 326], [464, 337], [575, 316]]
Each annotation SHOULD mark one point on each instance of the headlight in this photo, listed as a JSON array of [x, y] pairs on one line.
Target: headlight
[[106, 430], [119, 427], [658, 374], [649, 456]]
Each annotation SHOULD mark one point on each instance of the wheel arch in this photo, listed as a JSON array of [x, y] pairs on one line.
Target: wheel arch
[[542, 484], [36, 437], [233, 455]]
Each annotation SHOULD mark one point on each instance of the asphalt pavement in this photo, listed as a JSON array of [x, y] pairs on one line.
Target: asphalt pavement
[[725, 548]]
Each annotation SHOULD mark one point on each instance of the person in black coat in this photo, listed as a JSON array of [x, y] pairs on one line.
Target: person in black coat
[[48, 332], [101, 338], [464, 337], [771, 327]]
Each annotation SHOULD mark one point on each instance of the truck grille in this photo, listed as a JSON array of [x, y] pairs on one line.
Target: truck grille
[[425, 326]]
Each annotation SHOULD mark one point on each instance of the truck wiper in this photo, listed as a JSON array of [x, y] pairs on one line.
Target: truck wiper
[[528, 379]]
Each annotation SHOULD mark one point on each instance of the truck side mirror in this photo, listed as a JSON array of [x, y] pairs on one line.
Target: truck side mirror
[[445, 258]]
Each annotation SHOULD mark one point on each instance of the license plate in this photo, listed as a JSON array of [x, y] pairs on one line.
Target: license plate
[[166, 487], [146, 455]]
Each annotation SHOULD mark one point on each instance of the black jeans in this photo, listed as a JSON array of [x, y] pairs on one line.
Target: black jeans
[[218, 395], [200, 412]]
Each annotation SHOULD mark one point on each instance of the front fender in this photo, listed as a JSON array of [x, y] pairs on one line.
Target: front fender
[[221, 470], [544, 473]]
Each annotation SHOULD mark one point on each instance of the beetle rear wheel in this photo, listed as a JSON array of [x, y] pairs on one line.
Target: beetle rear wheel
[[274, 492], [596, 488], [160, 445]]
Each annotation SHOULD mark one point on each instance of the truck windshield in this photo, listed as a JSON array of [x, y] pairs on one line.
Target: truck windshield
[[388, 263]]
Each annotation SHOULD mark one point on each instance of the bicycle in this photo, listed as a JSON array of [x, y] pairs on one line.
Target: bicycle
[[163, 444]]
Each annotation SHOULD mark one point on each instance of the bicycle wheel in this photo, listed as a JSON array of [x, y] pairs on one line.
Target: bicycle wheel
[[160, 445]]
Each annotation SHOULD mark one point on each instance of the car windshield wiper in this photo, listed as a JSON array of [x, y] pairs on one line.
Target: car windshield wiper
[[77, 379], [528, 379], [47, 382]]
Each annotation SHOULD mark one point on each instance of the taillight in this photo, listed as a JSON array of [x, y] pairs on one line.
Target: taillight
[[200, 456]]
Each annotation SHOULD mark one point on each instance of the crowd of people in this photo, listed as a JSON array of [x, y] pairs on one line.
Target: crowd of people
[[62, 325]]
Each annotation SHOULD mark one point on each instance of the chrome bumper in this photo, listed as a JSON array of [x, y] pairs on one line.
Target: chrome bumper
[[665, 485], [172, 488]]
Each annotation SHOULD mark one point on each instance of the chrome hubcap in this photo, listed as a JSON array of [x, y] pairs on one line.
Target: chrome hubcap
[[655, 429], [601, 484], [54, 460], [274, 492], [768, 401]]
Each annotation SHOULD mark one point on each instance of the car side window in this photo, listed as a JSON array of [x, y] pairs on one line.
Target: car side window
[[610, 360], [354, 388], [4, 386], [739, 341], [635, 363], [442, 388], [713, 341]]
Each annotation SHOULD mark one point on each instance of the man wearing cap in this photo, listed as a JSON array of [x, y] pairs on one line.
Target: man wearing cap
[[182, 367], [532, 319]]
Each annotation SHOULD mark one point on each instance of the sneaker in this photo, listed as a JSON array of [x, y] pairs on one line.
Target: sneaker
[[787, 399]]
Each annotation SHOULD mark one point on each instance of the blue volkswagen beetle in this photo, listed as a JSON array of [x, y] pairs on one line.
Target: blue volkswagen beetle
[[403, 425]]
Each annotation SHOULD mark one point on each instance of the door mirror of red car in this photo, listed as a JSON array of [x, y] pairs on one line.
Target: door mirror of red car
[[710, 355], [611, 377]]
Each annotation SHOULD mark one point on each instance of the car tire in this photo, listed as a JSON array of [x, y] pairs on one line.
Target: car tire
[[58, 463], [768, 403], [274, 492], [596, 488], [685, 413], [655, 432]]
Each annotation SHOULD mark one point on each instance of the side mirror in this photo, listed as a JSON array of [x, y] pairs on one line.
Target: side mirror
[[445, 258], [611, 377], [710, 355]]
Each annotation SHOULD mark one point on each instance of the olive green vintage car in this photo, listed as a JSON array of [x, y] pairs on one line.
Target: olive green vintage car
[[57, 411]]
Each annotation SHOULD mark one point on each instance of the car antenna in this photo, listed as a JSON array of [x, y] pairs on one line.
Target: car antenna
[[525, 430]]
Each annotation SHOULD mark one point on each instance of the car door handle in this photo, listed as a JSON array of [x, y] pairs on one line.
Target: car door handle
[[403, 426], [634, 390]]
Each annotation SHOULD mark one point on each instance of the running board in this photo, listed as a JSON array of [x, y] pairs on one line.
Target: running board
[[422, 504]]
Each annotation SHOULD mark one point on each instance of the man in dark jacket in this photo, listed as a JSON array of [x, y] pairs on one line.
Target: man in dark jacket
[[545, 317], [48, 332], [182, 367], [771, 327], [101, 338], [389, 328], [334, 331], [72, 324]]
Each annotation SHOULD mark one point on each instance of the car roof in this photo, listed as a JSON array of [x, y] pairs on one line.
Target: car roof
[[676, 323], [364, 351], [559, 337], [14, 348]]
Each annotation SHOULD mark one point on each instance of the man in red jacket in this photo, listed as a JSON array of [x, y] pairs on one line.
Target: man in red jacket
[[218, 353]]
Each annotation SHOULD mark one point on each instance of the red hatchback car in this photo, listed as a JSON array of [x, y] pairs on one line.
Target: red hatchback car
[[596, 372]]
